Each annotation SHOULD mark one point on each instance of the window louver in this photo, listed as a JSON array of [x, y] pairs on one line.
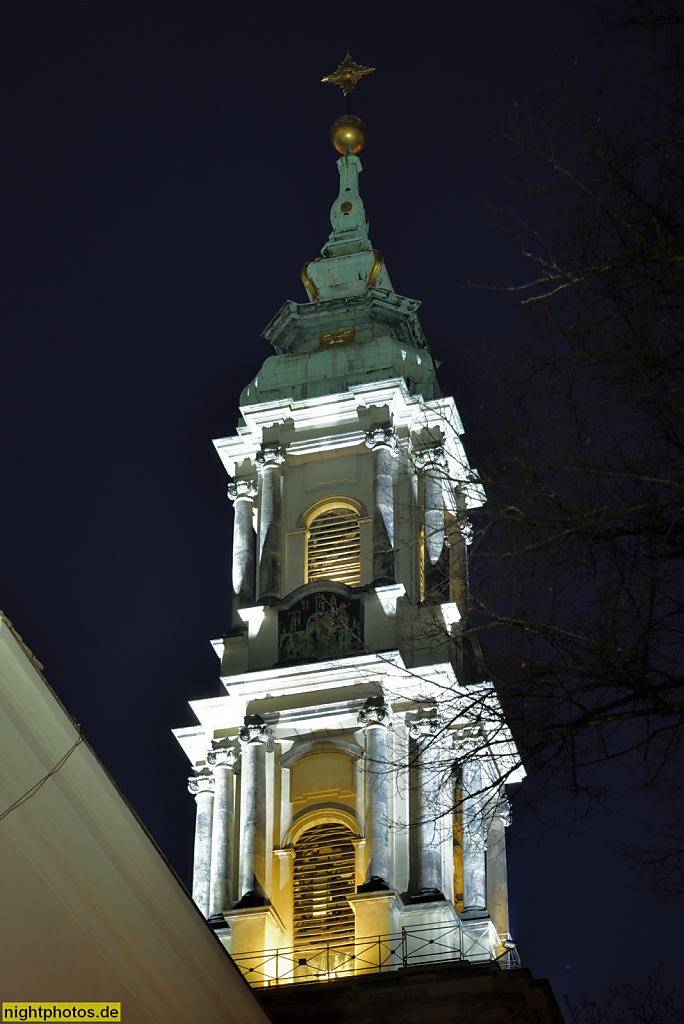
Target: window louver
[[324, 875], [334, 548]]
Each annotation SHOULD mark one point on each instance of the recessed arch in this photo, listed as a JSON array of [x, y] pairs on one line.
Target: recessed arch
[[304, 748], [329, 502], [320, 815], [324, 876]]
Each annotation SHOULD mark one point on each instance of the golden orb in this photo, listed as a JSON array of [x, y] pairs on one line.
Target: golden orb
[[347, 133]]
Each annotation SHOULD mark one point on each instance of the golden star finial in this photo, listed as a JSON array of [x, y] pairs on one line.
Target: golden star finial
[[347, 74]]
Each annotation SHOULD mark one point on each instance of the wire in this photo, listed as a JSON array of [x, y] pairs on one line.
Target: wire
[[34, 789]]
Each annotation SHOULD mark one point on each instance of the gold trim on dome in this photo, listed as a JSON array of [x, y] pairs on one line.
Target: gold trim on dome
[[347, 74], [307, 282], [336, 338], [376, 268]]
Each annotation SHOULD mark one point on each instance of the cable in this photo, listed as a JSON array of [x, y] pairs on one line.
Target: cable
[[34, 789]]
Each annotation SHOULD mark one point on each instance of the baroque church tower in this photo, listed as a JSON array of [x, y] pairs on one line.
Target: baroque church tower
[[349, 777]]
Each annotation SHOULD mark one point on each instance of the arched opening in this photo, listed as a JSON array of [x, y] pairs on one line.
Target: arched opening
[[324, 875], [333, 549]]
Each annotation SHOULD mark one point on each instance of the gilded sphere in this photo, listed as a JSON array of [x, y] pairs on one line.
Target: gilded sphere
[[347, 133]]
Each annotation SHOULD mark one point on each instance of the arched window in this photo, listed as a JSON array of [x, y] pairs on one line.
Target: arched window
[[324, 873], [334, 543]]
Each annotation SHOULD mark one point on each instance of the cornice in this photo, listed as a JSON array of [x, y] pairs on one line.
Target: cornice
[[333, 419], [318, 675], [296, 325]]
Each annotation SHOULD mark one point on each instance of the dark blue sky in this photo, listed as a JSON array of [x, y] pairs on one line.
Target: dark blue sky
[[165, 172]]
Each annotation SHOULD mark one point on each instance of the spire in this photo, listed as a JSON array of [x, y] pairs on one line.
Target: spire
[[347, 214], [349, 265]]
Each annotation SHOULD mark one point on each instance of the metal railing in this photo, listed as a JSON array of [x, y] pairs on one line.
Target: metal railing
[[476, 942]]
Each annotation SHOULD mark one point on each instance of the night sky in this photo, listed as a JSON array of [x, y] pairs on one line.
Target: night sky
[[166, 170]]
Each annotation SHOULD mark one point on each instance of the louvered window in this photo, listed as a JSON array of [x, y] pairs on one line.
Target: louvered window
[[323, 877], [334, 547]]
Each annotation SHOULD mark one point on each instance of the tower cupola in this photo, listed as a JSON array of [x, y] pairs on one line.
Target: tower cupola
[[351, 771]]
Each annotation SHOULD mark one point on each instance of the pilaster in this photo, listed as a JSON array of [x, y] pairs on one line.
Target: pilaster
[[497, 874], [284, 858], [255, 930], [376, 917]]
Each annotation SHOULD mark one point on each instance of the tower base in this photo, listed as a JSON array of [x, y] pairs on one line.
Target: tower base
[[459, 993]]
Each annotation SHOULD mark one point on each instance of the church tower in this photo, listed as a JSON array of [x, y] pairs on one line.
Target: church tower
[[349, 777]]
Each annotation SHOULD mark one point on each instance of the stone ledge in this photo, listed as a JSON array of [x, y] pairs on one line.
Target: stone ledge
[[455, 993]]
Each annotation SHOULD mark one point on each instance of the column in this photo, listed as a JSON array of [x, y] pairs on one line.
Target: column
[[222, 761], [202, 788], [243, 493], [474, 863], [270, 460], [460, 535], [427, 732], [376, 718], [384, 445], [432, 462], [255, 739], [497, 875]]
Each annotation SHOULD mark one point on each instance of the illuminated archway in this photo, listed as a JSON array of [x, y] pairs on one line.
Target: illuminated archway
[[333, 547], [323, 878]]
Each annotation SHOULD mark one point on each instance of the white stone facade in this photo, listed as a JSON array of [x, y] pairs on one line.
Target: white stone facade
[[346, 699]]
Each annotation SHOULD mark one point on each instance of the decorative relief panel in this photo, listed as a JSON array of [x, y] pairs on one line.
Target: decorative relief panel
[[322, 625]]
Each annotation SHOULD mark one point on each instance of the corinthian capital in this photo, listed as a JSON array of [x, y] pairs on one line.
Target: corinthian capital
[[242, 489], [255, 730], [375, 712], [383, 437], [270, 455]]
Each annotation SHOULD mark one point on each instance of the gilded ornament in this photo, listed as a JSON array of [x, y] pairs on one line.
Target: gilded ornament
[[347, 74], [336, 338], [348, 133], [377, 267], [307, 282]]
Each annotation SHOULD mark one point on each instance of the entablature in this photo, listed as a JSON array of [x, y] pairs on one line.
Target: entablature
[[330, 425], [316, 708]]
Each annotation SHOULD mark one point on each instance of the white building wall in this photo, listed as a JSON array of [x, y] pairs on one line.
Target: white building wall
[[90, 909]]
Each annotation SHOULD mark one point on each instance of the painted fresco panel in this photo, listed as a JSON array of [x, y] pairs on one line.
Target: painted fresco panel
[[321, 625]]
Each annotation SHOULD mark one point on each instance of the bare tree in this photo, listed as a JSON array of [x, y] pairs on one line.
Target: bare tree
[[644, 1003], [577, 567]]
